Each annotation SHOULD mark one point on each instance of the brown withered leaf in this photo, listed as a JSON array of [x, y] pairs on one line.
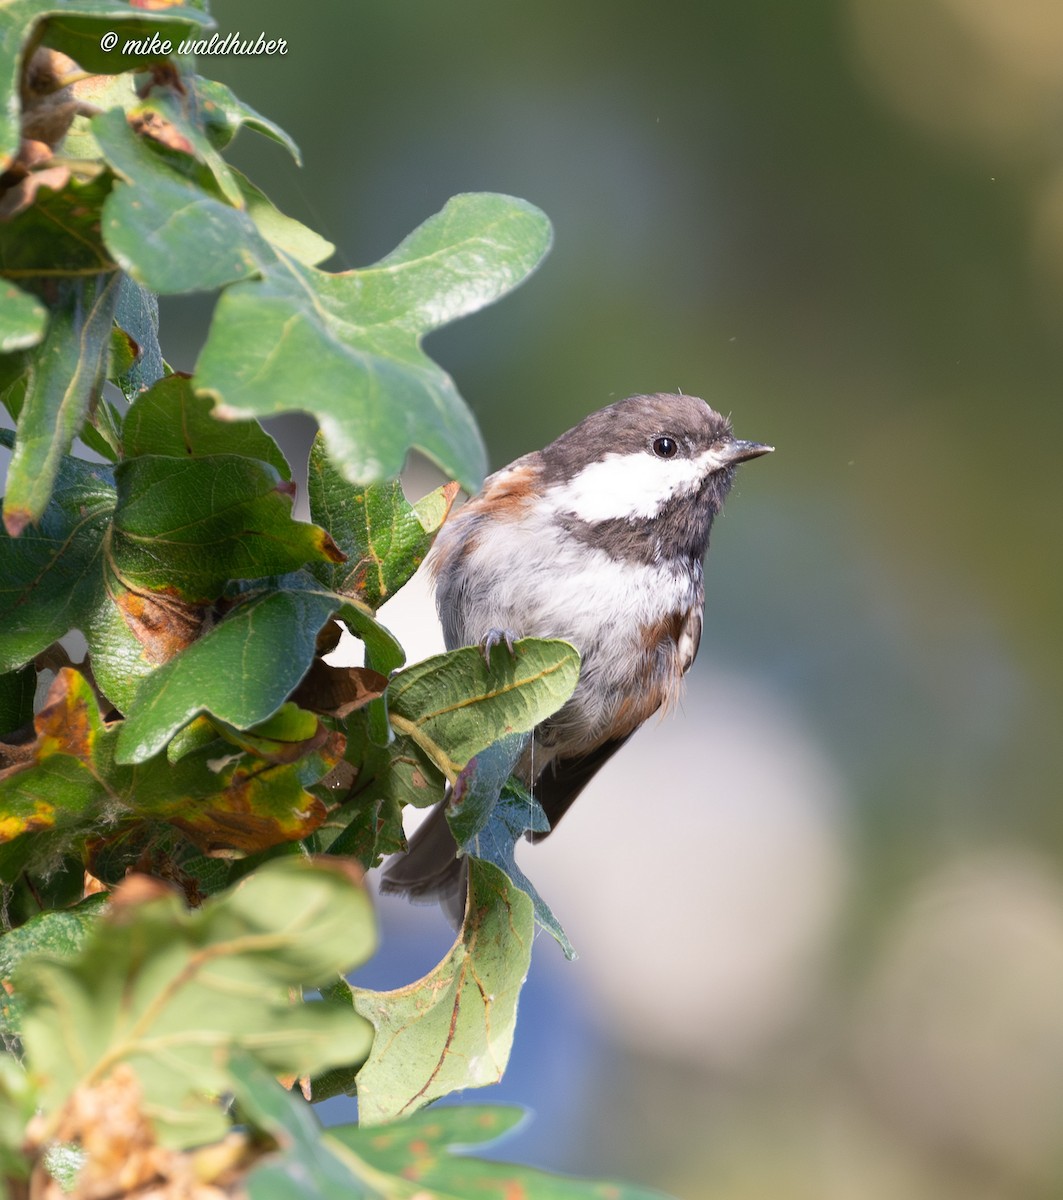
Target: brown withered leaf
[[122, 1157], [338, 690], [151, 124], [163, 74], [19, 197], [162, 622]]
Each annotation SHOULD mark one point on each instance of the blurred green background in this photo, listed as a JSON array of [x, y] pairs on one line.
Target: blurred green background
[[819, 912]]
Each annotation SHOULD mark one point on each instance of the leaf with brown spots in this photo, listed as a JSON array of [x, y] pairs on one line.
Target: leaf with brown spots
[[64, 787], [53, 785], [164, 116], [338, 691], [454, 1028], [236, 801]]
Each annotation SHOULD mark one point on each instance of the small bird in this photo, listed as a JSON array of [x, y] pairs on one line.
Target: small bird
[[597, 539]]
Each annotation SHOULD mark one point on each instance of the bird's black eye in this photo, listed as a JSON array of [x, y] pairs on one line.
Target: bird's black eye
[[665, 447]]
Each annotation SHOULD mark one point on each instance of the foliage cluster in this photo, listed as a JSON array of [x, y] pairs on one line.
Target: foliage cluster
[[186, 814]]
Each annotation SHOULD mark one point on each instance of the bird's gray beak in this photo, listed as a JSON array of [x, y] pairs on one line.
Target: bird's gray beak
[[736, 451]]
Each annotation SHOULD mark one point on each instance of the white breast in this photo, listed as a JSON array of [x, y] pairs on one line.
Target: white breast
[[531, 576]]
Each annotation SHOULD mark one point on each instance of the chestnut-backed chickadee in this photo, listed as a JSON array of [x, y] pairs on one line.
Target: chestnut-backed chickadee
[[597, 539]]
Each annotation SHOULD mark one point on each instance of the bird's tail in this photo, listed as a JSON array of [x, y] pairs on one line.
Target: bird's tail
[[431, 869]]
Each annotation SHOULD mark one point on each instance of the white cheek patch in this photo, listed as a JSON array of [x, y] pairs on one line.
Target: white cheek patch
[[622, 486]]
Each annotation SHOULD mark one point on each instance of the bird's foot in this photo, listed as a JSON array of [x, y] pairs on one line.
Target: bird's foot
[[495, 637]]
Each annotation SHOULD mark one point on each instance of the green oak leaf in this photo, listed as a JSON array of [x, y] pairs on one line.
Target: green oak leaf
[[388, 778], [130, 631], [165, 224], [58, 227], [489, 813], [169, 418], [17, 689], [427, 1151], [476, 790], [454, 1028], [51, 577], [515, 813], [455, 705], [376, 394], [241, 671], [307, 1164], [77, 31], [286, 233], [188, 525], [164, 115], [78, 569], [137, 316], [175, 993], [384, 537], [223, 115], [288, 736], [59, 933], [23, 319], [65, 373]]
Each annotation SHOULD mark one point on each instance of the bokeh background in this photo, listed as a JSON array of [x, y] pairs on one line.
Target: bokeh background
[[820, 911]]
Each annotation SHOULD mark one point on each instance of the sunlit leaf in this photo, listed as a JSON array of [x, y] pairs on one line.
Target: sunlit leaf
[[165, 228], [455, 705], [242, 670], [454, 1028], [280, 230], [376, 394]]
